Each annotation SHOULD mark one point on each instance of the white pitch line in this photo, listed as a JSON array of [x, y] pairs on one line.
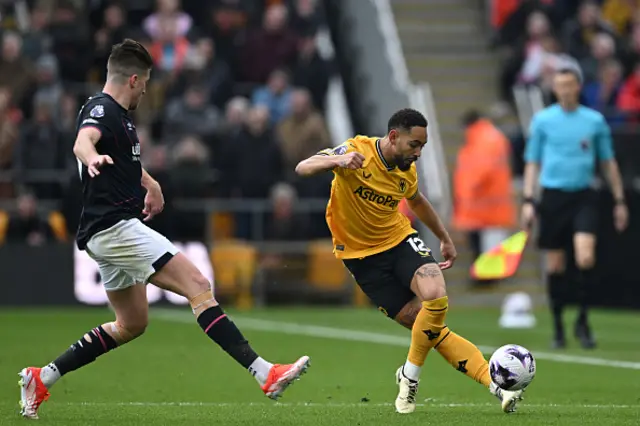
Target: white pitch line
[[369, 337], [335, 405]]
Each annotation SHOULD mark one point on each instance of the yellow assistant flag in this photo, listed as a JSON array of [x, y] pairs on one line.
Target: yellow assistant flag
[[501, 261]]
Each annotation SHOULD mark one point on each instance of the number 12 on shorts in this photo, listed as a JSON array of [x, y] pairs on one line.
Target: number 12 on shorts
[[418, 246]]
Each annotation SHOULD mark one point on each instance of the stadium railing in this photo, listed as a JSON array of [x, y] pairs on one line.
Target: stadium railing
[[432, 165], [337, 115], [249, 272], [529, 100], [256, 272]]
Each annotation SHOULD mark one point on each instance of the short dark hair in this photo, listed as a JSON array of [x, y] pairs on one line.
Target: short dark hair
[[128, 58], [572, 71], [405, 119]]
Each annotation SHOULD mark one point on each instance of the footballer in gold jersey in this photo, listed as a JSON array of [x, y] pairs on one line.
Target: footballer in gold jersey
[[387, 257]]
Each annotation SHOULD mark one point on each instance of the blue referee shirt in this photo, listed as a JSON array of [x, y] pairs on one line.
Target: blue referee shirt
[[567, 145]]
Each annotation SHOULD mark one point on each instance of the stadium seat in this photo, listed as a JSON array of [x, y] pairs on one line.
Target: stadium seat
[[58, 226], [234, 263], [4, 224], [324, 270], [222, 226]]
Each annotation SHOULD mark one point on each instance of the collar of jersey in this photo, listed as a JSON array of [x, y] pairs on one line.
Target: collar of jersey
[[384, 162], [114, 101]]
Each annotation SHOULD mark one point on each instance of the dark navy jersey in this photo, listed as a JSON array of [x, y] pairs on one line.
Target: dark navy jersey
[[116, 193]]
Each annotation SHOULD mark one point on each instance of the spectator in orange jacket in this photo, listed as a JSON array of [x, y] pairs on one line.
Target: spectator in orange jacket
[[484, 205]]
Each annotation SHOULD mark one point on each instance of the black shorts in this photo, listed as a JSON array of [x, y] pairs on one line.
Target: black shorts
[[563, 214], [386, 277]]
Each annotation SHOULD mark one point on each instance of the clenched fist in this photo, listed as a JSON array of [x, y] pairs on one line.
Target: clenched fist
[[352, 160]]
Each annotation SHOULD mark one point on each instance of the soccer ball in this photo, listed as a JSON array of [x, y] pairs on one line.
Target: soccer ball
[[512, 367]]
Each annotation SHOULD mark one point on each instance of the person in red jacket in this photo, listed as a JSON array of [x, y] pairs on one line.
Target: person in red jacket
[[629, 98]]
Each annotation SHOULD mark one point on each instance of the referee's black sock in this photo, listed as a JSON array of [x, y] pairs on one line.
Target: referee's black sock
[[557, 300], [585, 284], [224, 332]]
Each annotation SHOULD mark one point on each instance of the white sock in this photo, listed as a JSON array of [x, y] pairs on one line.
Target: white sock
[[260, 370], [49, 375], [495, 389], [411, 371]]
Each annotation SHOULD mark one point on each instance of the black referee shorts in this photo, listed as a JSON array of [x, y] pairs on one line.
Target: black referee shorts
[[386, 277], [563, 214]]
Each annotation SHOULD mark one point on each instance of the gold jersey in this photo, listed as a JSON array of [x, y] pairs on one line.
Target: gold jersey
[[362, 212]]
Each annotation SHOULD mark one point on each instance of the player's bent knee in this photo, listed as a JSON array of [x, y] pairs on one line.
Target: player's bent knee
[[585, 260], [123, 332], [428, 282], [555, 262], [585, 245], [201, 284]]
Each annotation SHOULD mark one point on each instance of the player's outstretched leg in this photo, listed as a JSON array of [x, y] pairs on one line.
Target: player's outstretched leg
[[182, 277], [131, 308], [429, 331], [465, 357]]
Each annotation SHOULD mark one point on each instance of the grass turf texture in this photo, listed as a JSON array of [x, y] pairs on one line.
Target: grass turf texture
[[174, 375]]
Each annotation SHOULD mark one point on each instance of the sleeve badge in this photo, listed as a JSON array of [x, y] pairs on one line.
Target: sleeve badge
[[340, 150], [97, 111]]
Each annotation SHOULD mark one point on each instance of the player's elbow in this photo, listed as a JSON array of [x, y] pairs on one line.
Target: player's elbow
[[304, 168], [77, 150]]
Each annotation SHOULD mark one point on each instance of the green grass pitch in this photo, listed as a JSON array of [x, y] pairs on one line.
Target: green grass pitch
[[174, 375]]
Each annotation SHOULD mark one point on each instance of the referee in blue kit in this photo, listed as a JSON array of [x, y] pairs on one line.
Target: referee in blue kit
[[566, 141]]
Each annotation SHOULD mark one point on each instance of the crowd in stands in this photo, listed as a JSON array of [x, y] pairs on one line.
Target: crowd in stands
[[601, 37], [236, 99]]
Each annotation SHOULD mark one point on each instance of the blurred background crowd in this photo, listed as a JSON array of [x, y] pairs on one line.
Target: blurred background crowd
[[532, 39], [236, 99], [238, 96], [601, 38]]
